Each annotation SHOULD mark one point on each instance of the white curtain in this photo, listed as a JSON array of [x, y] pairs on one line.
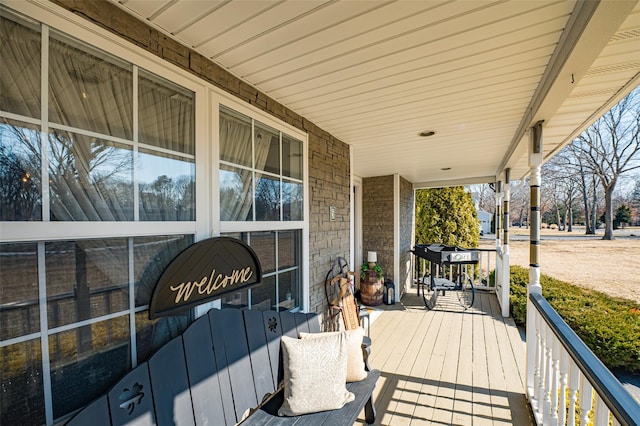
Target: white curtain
[[236, 147], [166, 118], [19, 68]]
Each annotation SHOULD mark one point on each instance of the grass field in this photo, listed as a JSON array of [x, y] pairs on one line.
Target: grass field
[[612, 267]]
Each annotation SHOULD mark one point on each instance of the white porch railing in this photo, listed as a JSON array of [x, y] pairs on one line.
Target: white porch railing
[[565, 380], [503, 280]]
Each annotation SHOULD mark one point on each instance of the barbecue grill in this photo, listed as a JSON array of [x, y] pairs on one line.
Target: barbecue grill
[[440, 256]]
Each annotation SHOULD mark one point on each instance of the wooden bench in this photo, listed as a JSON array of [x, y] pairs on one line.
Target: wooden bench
[[225, 365]]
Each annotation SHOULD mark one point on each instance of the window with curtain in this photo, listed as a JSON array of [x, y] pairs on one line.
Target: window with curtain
[[75, 310], [261, 183], [261, 171]]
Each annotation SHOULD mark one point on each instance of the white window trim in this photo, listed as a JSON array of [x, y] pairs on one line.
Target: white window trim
[[222, 98]]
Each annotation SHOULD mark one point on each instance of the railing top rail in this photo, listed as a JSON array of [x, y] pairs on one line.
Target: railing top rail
[[622, 405]]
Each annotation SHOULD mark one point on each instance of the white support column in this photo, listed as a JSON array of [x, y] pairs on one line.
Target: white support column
[[498, 229], [498, 215], [505, 267], [535, 165]]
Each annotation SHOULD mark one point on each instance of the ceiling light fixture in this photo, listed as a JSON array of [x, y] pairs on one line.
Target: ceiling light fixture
[[426, 133]]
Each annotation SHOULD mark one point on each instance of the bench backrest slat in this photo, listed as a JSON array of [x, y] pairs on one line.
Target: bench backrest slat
[[131, 400], [203, 373], [273, 331], [96, 413], [260, 362], [170, 385], [289, 327], [234, 339], [301, 322], [217, 338]]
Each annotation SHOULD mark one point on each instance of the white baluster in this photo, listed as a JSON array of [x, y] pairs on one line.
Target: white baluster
[[555, 376], [537, 373], [564, 373], [574, 382], [586, 392], [601, 412], [548, 373]]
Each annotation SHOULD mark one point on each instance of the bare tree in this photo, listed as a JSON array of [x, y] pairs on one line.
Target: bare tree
[[610, 147], [519, 205]]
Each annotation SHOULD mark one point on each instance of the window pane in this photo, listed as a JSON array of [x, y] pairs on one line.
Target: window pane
[[19, 67], [264, 244], [291, 157], [19, 307], [90, 179], [267, 198], [289, 289], [167, 187], [87, 361], [263, 296], [21, 398], [236, 194], [152, 334], [20, 177], [86, 279], [237, 300], [292, 196], [89, 89], [267, 148], [289, 248], [166, 114], [235, 138]]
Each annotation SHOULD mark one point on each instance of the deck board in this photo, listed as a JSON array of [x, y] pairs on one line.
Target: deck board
[[448, 366]]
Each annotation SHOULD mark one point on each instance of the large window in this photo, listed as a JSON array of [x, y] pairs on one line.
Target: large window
[[262, 197], [84, 137]]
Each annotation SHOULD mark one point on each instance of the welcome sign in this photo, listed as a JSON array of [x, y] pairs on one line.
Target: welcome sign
[[203, 272]]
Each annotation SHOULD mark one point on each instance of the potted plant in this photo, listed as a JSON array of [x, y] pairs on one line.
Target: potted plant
[[371, 281]]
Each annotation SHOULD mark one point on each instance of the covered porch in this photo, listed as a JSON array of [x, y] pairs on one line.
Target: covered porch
[[496, 87], [448, 366]]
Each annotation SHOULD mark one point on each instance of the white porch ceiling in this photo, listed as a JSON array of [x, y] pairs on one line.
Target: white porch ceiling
[[376, 73]]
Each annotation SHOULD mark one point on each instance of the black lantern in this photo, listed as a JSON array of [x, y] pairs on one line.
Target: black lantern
[[389, 292]]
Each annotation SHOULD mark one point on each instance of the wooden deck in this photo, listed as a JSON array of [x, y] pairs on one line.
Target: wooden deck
[[448, 366]]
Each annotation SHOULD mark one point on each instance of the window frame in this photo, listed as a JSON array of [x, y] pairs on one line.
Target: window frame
[[223, 99]]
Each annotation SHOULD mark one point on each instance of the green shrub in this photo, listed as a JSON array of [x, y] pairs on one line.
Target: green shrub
[[609, 326]]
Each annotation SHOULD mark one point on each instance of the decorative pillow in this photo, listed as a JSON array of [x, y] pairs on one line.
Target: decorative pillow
[[315, 372], [355, 361]]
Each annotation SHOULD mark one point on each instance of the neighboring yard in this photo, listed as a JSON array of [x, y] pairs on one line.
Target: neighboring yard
[[612, 267]]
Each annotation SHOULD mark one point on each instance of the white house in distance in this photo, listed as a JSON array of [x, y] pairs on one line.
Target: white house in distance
[[484, 217]]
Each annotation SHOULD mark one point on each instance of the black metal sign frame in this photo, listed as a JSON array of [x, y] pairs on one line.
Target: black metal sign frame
[[203, 272]]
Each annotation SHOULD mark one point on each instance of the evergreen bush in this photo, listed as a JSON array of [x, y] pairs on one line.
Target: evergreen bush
[[446, 216], [609, 326]]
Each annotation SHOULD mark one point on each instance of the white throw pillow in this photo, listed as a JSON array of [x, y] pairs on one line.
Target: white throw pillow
[[355, 362], [315, 372]]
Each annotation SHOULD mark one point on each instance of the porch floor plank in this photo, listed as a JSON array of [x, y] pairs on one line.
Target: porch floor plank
[[448, 366]]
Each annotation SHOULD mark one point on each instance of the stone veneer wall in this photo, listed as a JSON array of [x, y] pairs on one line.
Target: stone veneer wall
[[377, 221], [406, 233], [329, 172]]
